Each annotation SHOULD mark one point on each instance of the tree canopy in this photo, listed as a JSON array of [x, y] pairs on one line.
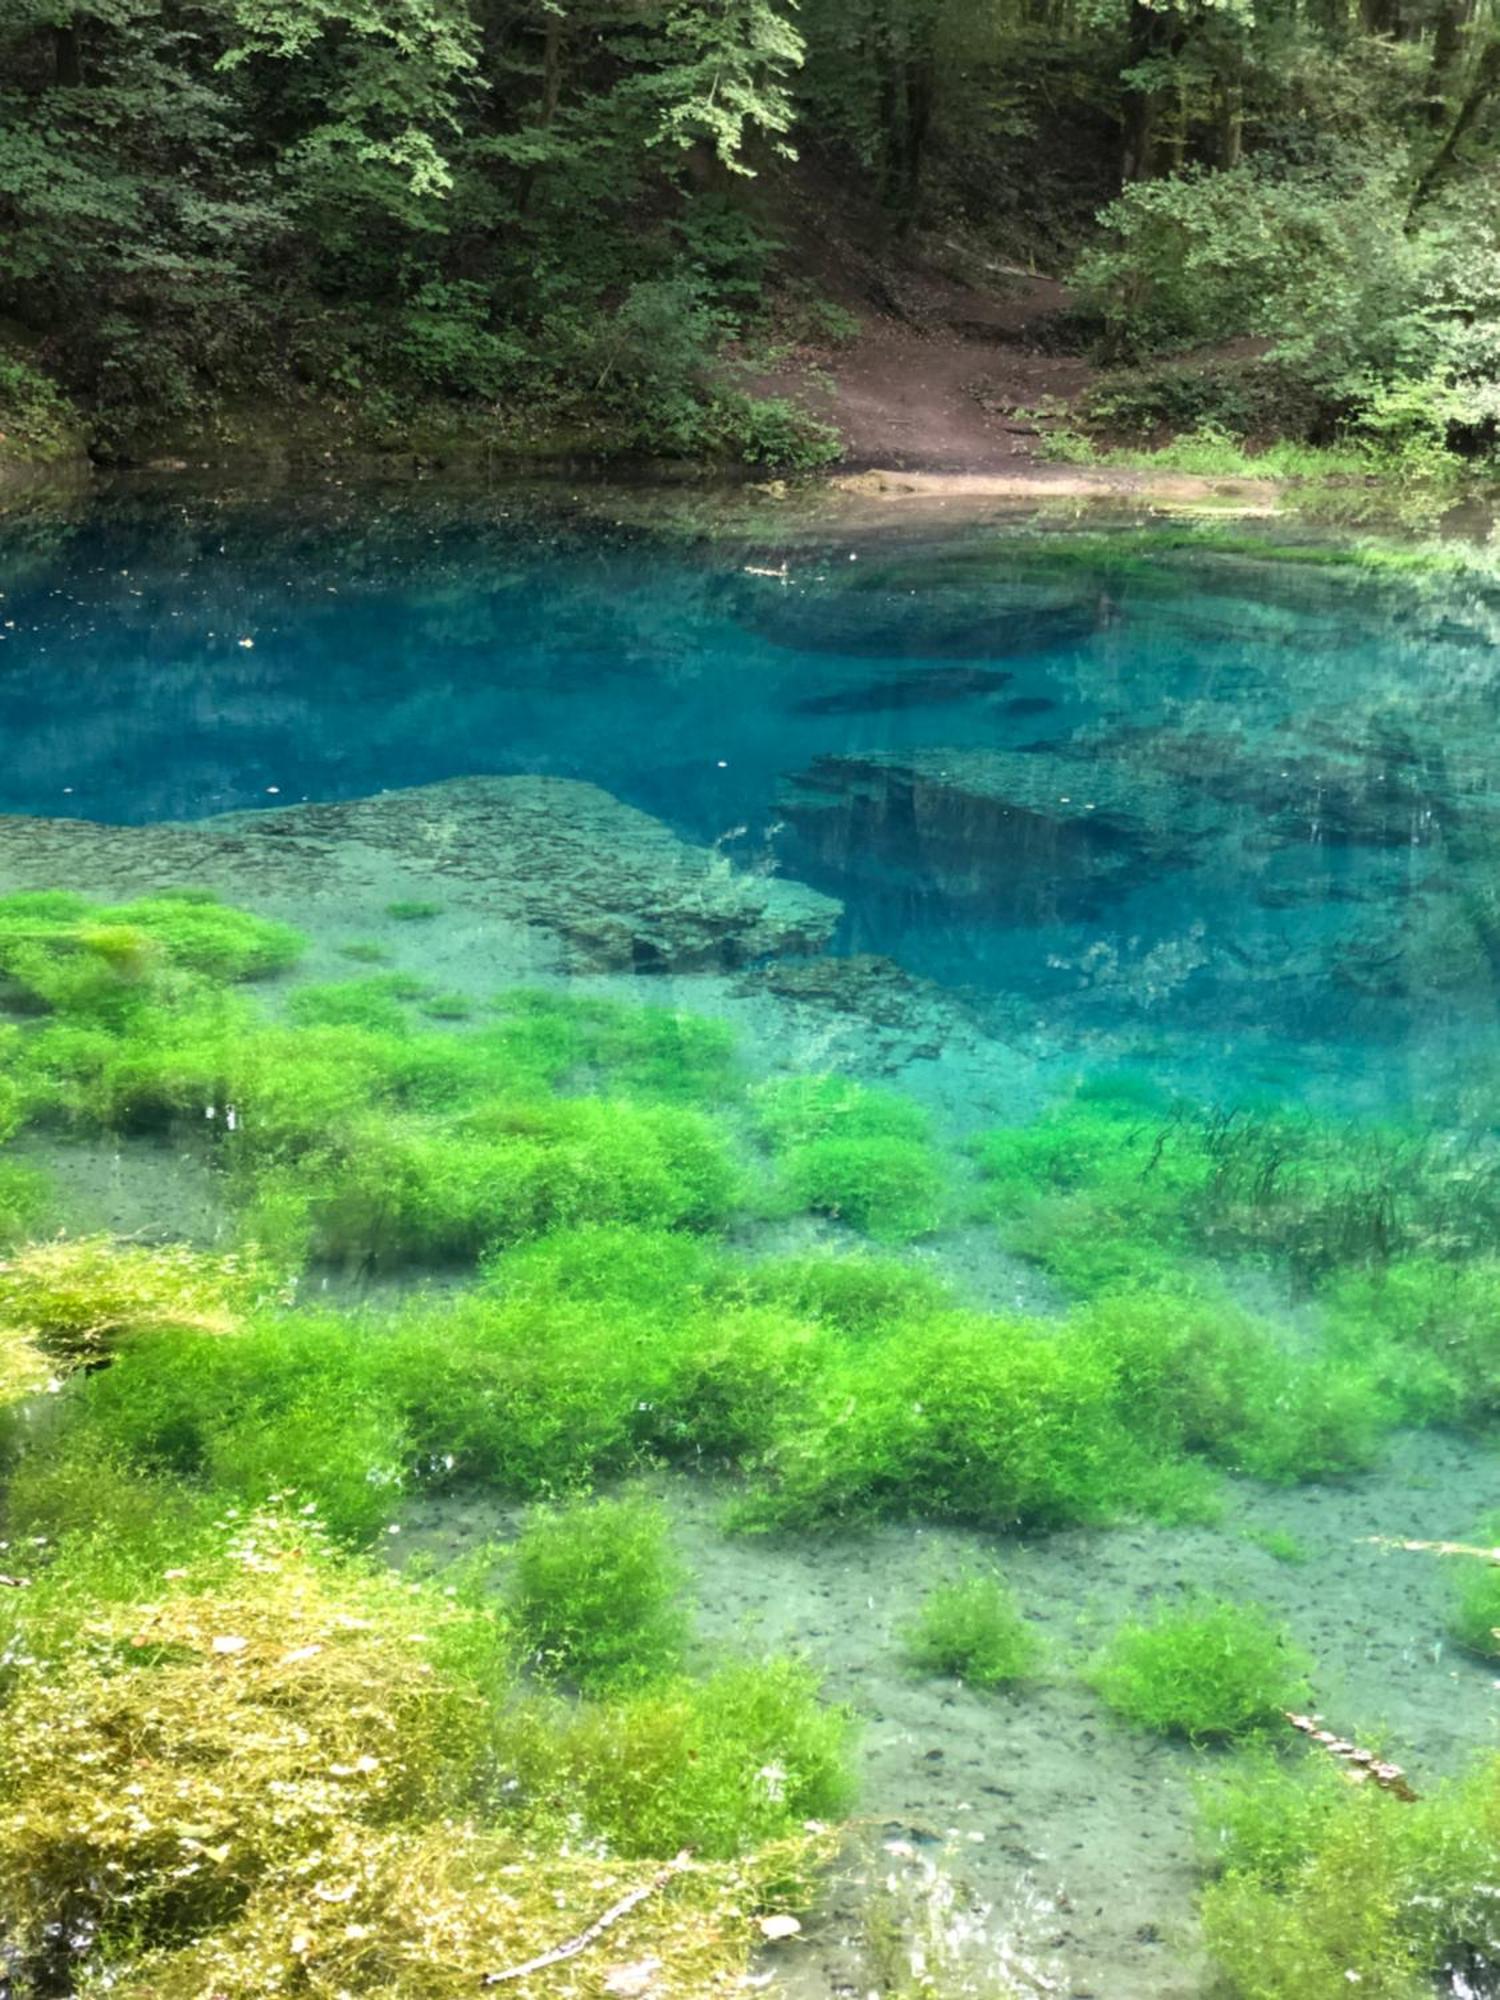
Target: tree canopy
[[567, 213]]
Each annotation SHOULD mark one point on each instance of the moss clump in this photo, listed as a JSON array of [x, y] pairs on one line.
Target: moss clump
[[653, 1271], [860, 1155], [43, 932], [795, 1110], [1431, 1326], [446, 1006], [747, 1756], [1211, 1671], [597, 1596], [413, 911], [406, 1192], [956, 1418], [163, 1760], [1327, 1888], [1474, 1619], [858, 1295], [1116, 1185], [66, 1304], [236, 1764], [371, 1004], [1203, 1376], [891, 1189], [970, 1626]]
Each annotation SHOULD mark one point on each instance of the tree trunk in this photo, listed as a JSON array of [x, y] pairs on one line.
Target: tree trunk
[[1486, 81], [1152, 34], [67, 57], [1447, 41]]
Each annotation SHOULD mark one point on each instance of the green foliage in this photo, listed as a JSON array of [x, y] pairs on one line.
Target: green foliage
[[197, 1763], [795, 1110], [970, 1626], [1327, 1886], [957, 1418], [891, 1189], [37, 421], [746, 1756], [1432, 1327], [1475, 1617], [597, 1597], [404, 1192], [1280, 1543], [184, 1711], [857, 1295], [1211, 1671], [413, 911]]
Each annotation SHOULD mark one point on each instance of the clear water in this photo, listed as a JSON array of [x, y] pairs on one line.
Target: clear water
[[1221, 819], [1297, 805]]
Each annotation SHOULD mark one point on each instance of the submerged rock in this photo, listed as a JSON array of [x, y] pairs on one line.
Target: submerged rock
[[1008, 831], [615, 889], [924, 690]]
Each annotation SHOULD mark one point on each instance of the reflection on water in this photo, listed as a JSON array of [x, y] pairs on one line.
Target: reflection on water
[[1067, 1085]]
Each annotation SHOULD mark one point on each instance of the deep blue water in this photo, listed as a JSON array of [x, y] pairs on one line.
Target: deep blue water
[[1143, 784]]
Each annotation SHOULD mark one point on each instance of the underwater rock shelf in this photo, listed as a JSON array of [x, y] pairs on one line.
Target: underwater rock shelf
[[618, 890]]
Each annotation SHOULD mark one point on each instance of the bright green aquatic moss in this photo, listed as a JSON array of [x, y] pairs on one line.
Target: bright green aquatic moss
[[1327, 1888], [598, 1594], [403, 1192], [1210, 1670], [746, 1756], [795, 1110], [970, 1626], [889, 1189]]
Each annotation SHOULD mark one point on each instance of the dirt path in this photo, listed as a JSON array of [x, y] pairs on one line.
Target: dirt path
[[942, 375]]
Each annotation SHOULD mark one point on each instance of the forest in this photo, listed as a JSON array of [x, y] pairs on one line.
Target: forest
[[610, 225]]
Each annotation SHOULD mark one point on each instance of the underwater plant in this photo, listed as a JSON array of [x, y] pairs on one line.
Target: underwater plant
[[287, 1774], [264, 1695], [969, 1626], [597, 1596], [1210, 1670], [1324, 1888], [891, 1189], [748, 1755]]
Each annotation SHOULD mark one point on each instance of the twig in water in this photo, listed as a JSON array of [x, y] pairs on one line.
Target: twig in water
[[1436, 1548], [1361, 1764], [595, 1930]]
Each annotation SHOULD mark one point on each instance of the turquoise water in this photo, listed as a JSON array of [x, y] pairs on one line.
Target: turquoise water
[[910, 1049], [1122, 783]]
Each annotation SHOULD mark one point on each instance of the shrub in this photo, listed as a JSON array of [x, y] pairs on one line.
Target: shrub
[[1211, 1671], [970, 1626], [597, 1598]]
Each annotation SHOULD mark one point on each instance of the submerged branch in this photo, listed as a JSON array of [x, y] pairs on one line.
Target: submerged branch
[[595, 1930]]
